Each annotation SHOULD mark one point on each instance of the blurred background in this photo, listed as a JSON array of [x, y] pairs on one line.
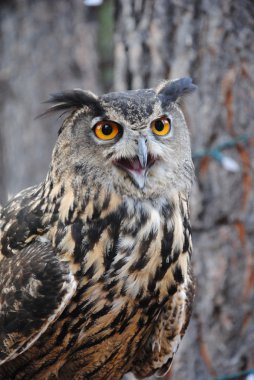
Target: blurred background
[[47, 46]]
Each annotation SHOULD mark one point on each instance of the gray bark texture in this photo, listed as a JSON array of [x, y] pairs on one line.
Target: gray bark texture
[[213, 42], [45, 46]]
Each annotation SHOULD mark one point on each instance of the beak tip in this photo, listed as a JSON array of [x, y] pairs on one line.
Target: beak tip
[[139, 180]]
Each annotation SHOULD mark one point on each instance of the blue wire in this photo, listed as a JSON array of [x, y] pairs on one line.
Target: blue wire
[[236, 375], [215, 152]]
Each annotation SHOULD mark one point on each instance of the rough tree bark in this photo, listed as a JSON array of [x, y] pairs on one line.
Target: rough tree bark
[[45, 46], [213, 42]]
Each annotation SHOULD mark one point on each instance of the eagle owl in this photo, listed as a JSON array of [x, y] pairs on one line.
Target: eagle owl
[[95, 275]]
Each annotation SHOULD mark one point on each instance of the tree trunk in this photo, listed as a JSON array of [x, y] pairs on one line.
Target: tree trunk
[[45, 46], [213, 42]]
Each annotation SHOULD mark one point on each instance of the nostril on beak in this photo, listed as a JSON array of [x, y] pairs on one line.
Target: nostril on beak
[[144, 138]]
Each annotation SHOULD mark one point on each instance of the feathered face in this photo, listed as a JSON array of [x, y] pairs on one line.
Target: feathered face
[[135, 141]]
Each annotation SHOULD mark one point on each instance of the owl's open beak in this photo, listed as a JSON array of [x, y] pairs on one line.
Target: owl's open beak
[[136, 167]]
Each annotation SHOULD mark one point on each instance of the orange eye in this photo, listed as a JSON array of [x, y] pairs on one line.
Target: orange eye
[[161, 126], [106, 130]]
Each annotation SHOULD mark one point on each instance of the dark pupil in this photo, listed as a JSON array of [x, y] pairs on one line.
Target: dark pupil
[[107, 129], [159, 125]]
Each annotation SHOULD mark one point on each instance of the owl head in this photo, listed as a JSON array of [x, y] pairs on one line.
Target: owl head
[[133, 142]]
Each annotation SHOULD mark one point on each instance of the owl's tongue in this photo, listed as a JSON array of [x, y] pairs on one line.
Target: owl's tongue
[[134, 164], [131, 164]]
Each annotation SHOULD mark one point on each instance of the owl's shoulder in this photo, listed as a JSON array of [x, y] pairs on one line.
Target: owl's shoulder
[[21, 218]]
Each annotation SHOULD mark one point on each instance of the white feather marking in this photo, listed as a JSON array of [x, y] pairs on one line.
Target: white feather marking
[[43, 239], [156, 346]]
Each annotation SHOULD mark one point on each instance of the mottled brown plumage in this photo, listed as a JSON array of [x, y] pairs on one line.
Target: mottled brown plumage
[[95, 273]]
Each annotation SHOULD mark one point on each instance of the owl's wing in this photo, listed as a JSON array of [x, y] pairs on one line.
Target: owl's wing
[[158, 353], [35, 287]]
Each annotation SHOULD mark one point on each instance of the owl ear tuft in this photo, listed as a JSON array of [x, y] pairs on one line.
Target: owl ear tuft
[[174, 90], [72, 100]]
